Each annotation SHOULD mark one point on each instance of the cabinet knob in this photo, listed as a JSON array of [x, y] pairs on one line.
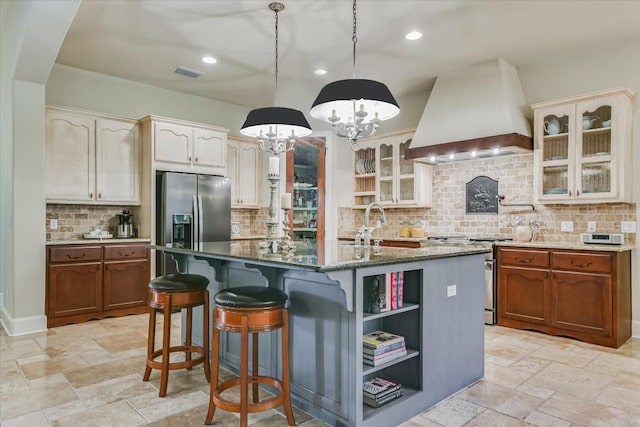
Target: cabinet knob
[[546, 275], [189, 158], [91, 195], [99, 195], [570, 193], [577, 193], [196, 160]]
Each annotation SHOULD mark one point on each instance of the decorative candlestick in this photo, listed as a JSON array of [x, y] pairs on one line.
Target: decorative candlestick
[[272, 221], [287, 244]]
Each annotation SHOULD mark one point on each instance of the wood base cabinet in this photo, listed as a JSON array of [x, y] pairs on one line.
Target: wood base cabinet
[[580, 294], [87, 282]]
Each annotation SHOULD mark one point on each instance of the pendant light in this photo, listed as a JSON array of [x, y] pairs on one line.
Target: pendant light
[[354, 107], [276, 128]]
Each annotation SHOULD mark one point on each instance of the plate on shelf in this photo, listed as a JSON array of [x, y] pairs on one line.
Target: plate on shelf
[[558, 158], [601, 153], [358, 166]]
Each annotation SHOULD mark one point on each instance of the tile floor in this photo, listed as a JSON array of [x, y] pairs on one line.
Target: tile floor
[[90, 375]]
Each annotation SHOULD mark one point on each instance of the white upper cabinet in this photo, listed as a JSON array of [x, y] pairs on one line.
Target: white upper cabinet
[[244, 170], [188, 147], [382, 174], [91, 160], [582, 148]]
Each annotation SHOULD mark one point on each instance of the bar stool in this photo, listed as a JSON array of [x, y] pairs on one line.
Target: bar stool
[[169, 294], [244, 310]]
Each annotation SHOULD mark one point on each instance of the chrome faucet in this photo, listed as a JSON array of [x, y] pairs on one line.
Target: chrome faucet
[[367, 229], [358, 240]]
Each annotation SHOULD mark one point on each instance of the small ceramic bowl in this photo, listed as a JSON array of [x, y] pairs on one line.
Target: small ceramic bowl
[[606, 124]]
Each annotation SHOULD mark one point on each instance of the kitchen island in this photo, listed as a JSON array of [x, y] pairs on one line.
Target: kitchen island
[[441, 320]]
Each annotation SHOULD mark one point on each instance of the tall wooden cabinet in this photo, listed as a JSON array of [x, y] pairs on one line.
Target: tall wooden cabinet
[[582, 147], [581, 294], [91, 159], [94, 281], [243, 166], [382, 174]]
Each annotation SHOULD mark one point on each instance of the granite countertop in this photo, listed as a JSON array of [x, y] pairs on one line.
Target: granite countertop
[[324, 255], [564, 245], [93, 241]]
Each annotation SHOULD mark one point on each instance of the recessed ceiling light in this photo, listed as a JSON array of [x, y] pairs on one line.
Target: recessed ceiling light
[[474, 153], [432, 158], [209, 60], [413, 35], [320, 72], [452, 156], [496, 151]]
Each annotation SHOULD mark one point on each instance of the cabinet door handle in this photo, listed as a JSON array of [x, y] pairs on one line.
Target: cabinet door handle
[[577, 193], [76, 257], [91, 195], [189, 158], [125, 253], [570, 193], [546, 275], [196, 160], [99, 195], [524, 259], [577, 264]]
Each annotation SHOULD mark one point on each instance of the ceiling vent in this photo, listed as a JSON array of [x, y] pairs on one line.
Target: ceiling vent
[[187, 72]]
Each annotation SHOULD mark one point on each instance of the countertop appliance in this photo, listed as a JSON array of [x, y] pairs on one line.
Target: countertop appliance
[[602, 238], [190, 209], [125, 224], [490, 270]]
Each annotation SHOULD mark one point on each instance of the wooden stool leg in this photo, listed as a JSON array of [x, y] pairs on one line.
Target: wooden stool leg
[[254, 359], [166, 337], [214, 372], [188, 333], [205, 335], [244, 371], [151, 338], [285, 369]]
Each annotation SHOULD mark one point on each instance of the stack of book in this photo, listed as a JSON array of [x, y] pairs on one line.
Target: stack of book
[[381, 347], [379, 391]]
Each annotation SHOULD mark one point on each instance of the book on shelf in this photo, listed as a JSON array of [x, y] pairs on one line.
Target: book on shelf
[[376, 403], [385, 358], [393, 290], [377, 351], [379, 339], [400, 289], [378, 387], [386, 354]]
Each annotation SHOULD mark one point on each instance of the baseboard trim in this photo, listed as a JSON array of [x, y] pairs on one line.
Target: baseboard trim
[[22, 325], [635, 328]]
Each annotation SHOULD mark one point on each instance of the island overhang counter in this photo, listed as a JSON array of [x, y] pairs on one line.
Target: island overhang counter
[[329, 284]]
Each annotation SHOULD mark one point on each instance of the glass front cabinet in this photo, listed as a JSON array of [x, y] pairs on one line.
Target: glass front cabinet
[[382, 174], [583, 148]]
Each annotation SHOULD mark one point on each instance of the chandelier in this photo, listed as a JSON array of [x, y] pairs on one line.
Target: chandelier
[[354, 107], [276, 128]]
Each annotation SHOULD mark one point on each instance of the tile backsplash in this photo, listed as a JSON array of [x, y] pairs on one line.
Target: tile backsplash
[[514, 174], [76, 220]]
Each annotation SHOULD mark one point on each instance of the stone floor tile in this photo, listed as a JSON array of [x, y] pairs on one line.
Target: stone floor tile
[[531, 365], [195, 417], [570, 380], [173, 405], [34, 419], [420, 421], [506, 376], [106, 392], [501, 399], [540, 419], [617, 361], [454, 412], [115, 414], [52, 366], [36, 399], [122, 342], [491, 418], [583, 412], [566, 357], [64, 410], [94, 374], [533, 390], [633, 421], [28, 349]]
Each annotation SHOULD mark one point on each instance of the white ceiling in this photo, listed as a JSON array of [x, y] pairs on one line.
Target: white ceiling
[[145, 40]]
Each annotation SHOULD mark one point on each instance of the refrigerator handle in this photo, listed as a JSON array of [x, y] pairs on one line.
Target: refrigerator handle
[[194, 224], [200, 225]]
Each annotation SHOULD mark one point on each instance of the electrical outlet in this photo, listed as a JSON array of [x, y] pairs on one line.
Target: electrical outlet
[[628, 226], [591, 226], [566, 226], [451, 291], [53, 224]]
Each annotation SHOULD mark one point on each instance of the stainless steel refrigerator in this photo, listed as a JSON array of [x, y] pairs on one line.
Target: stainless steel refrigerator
[[190, 209]]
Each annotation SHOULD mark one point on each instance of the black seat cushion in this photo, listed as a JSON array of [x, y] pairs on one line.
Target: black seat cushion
[[179, 283], [250, 296]]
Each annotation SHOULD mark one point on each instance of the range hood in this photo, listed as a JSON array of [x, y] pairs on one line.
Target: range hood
[[477, 111]]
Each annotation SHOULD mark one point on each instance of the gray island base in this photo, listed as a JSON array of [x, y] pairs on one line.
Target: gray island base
[[441, 320]]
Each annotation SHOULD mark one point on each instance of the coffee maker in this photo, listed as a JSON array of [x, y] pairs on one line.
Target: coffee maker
[[125, 225]]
